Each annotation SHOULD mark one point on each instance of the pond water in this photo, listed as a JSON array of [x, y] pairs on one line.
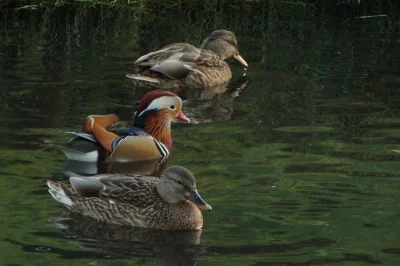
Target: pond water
[[296, 156]]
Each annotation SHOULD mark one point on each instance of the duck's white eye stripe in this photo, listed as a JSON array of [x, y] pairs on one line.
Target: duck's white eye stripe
[[161, 102]]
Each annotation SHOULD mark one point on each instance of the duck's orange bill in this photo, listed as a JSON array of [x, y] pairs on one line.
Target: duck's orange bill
[[200, 203], [241, 60], [182, 116]]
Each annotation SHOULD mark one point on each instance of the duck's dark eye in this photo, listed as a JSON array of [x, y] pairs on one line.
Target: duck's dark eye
[[172, 107], [180, 182]]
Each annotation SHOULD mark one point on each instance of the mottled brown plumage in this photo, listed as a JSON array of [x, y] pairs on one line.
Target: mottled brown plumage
[[181, 65], [141, 201]]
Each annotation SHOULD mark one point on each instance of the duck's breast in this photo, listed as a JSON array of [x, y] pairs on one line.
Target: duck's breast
[[184, 215], [209, 76]]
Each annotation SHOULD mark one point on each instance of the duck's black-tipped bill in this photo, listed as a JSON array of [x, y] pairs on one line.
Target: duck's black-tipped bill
[[200, 203]]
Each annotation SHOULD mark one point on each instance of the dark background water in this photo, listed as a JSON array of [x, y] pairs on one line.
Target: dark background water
[[297, 163]]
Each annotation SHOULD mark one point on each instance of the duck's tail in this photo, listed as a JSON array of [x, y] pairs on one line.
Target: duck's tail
[[57, 191], [142, 78], [84, 148]]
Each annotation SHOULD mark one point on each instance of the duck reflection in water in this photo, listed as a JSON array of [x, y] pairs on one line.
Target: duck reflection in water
[[149, 167], [166, 247], [213, 104], [205, 105]]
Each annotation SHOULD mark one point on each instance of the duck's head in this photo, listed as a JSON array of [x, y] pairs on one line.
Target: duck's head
[[177, 184], [224, 44], [161, 106]]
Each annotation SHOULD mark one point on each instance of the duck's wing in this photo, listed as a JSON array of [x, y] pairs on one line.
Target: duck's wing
[[181, 64], [85, 147], [131, 131], [83, 135], [136, 190], [156, 57], [176, 61], [176, 68], [120, 125]]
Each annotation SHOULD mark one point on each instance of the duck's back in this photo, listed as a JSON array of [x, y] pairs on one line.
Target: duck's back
[[156, 57]]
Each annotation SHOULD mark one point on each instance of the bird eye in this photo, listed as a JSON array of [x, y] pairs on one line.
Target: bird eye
[[172, 107], [180, 183]]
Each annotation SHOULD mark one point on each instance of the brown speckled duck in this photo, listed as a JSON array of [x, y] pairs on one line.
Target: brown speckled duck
[[181, 65], [171, 202]]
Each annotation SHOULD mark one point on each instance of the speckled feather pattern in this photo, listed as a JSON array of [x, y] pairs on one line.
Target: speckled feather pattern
[[134, 201], [215, 71], [188, 66]]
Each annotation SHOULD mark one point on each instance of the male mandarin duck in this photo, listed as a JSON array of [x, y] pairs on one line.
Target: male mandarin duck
[[148, 139], [181, 65], [170, 202]]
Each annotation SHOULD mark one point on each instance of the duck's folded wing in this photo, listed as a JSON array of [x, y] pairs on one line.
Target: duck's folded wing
[[116, 189], [166, 52], [132, 131], [138, 191], [120, 125], [175, 69], [180, 65], [83, 135]]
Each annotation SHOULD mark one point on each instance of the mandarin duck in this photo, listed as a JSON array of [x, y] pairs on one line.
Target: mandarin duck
[[181, 65], [170, 202], [201, 106], [148, 139]]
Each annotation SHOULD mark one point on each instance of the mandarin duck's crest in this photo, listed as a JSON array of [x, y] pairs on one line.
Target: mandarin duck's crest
[[154, 101]]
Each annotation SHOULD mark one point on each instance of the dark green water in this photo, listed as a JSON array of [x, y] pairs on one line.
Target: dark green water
[[296, 163]]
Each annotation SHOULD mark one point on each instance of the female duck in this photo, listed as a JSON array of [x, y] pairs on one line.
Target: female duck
[[171, 202], [182, 65], [148, 139]]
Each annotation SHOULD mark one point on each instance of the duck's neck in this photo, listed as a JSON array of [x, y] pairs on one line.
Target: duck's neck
[[158, 125], [214, 47]]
